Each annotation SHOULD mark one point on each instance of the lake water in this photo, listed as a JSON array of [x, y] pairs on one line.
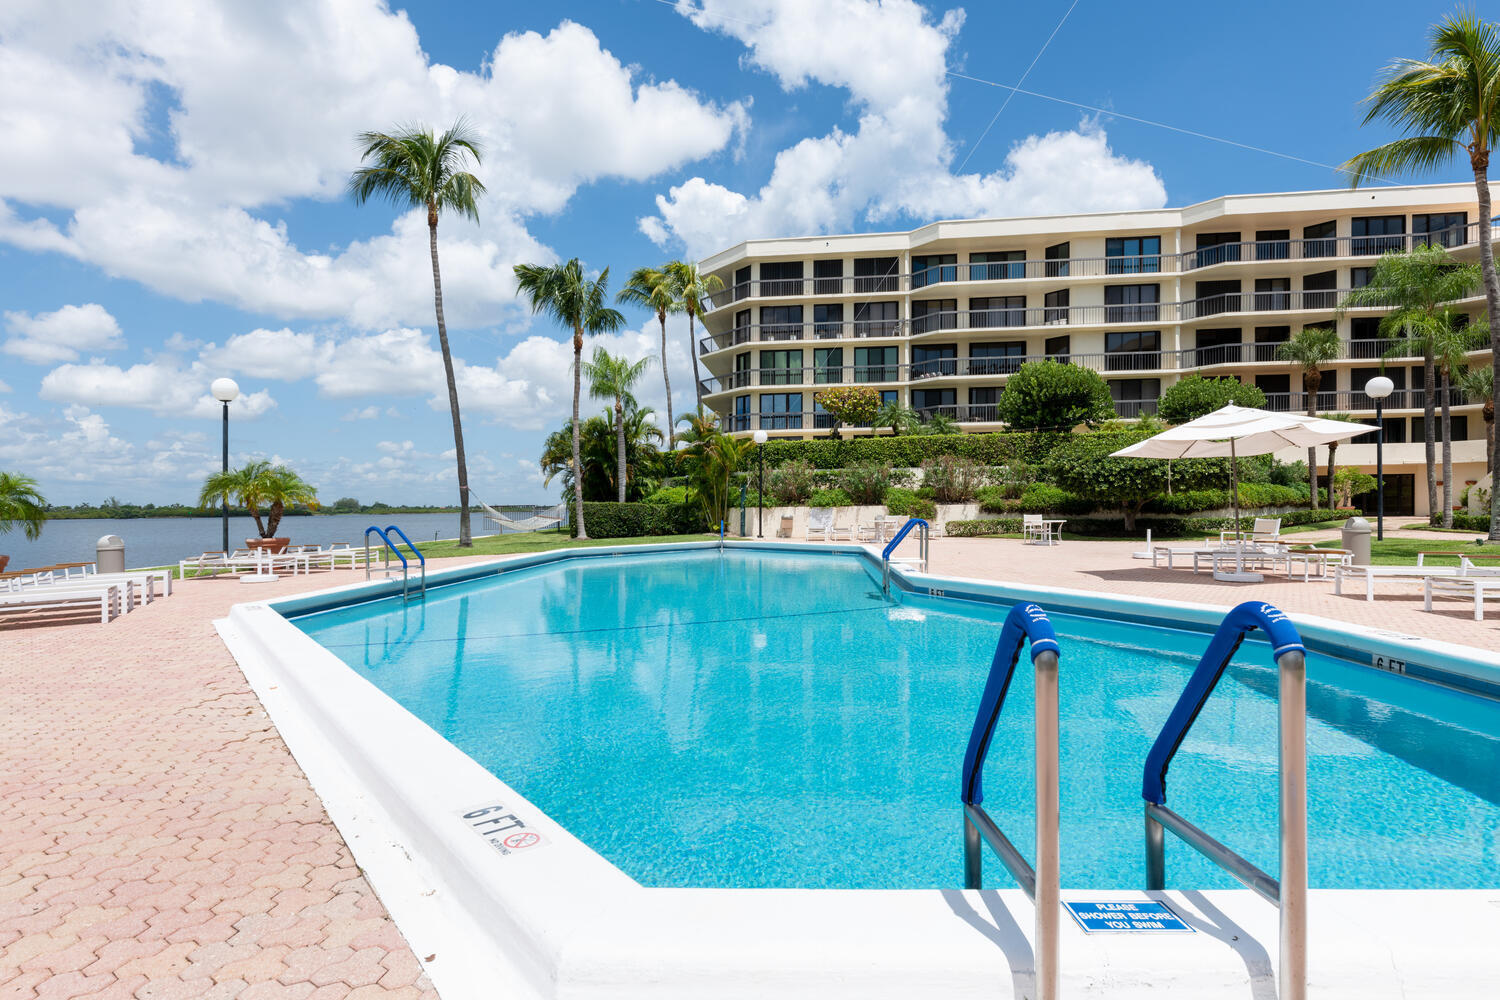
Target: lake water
[[159, 541]]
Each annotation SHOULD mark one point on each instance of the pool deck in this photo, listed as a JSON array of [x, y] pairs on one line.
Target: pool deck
[[158, 840]]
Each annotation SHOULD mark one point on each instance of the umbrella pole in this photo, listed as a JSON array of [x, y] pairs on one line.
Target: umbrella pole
[[1234, 489]]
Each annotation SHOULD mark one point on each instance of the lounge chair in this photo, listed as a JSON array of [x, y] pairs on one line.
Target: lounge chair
[[79, 594], [213, 563], [840, 532], [819, 523], [1474, 587], [785, 531], [147, 580], [1420, 571]]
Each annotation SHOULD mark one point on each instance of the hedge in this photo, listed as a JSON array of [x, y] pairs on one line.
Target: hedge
[[634, 520], [1251, 495], [1161, 527], [1037, 498], [905, 503], [1464, 520], [833, 497], [911, 450]]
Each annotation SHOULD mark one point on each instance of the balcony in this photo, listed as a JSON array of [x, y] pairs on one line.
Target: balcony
[[1355, 401], [1332, 247]]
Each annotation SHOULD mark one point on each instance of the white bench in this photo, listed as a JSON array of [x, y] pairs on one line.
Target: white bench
[[145, 579], [1473, 587], [76, 595]]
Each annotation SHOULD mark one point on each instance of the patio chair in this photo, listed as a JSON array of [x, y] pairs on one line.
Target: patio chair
[[785, 531], [1034, 529], [819, 523], [840, 532], [1265, 530]]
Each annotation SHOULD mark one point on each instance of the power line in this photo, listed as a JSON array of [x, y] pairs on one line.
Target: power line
[[1012, 94]]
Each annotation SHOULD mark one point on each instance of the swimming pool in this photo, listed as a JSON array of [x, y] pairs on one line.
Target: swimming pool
[[766, 719]]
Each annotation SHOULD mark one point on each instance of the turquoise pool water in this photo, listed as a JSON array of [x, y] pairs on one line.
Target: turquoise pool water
[[759, 718]]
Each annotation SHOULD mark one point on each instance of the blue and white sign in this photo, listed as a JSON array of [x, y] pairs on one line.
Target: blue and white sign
[[1121, 917]]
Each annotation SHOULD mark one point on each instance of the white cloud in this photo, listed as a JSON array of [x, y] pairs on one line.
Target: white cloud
[[371, 412], [892, 59], [162, 387], [4, 387], [61, 335], [279, 354]]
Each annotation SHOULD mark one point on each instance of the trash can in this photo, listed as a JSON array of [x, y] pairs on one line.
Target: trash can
[[1357, 540], [110, 554]]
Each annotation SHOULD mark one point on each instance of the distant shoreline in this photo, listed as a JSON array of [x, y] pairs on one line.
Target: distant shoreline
[[162, 512]]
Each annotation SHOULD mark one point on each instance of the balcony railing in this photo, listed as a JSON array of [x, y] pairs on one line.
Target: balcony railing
[[1252, 251], [1355, 400]]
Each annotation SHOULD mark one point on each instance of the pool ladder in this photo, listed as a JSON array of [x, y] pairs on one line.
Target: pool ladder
[[885, 555], [387, 548], [1028, 622]]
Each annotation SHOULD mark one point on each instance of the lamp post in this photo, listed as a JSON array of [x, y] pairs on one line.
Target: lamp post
[[1377, 389], [225, 390], [760, 484]]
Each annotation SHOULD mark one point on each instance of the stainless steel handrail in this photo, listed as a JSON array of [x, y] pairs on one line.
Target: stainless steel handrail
[[1041, 884], [1289, 892]]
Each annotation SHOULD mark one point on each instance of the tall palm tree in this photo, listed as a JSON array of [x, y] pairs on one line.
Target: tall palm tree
[[413, 167], [1333, 450], [1446, 103], [612, 378], [1451, 344], [576, 302], [1415, 285], [21, 505], [1310, 349], [1479, 385], [652, 287], [692, 290]]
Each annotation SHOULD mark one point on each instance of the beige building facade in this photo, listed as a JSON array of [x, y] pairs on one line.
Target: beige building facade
[[938, 317]]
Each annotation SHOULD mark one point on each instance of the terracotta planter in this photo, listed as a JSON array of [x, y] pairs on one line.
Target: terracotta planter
[[272, 545], [4, 561]]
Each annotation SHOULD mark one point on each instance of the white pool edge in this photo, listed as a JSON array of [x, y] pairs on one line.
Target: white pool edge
[[560, 921]]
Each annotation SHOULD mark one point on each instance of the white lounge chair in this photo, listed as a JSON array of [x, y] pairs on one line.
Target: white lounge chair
[[53, 597], [146, 580], [1474, 587], [839, 532], [819, 523], [213, 563]]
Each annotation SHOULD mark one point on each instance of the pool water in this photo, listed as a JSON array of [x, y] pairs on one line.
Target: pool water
[[756, 718]]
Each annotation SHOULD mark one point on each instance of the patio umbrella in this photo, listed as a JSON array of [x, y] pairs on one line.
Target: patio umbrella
[[1241, 430]]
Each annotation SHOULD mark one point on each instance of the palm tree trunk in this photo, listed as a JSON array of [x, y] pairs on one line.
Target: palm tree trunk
[[464, 539], [620, 446], [666, 378], [1480, 160], [1311, 381], [1429, 428], [1333, 449], [693, 350], [1447, 458], [577, 447]]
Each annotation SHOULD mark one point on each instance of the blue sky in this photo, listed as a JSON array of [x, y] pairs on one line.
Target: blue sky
[[172, 207]]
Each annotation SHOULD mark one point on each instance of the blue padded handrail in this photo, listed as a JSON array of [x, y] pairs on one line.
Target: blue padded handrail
[[415, 551], [1242, 619], [905, 529], [1025, 621], [388, 543]]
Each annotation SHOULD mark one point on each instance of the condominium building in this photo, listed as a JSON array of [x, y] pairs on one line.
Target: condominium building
[[938, 317]]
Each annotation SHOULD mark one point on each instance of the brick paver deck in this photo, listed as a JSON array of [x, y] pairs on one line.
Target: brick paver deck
[[157, 840]]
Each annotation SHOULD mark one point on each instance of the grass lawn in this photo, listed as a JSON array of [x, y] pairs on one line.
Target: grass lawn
[[540, 541]]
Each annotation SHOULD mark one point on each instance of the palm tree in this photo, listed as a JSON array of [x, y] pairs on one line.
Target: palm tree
[[1333, 450], [1451, 344], [21, 505], [598, 447], [1446, 103], [255, 484], [1414, 285], [412, 167], [900, 419], [1309, 349], [652, 287], [613, 377], [692, 289], [1479, 385], [577, 302], [711, 460], [940, 423]]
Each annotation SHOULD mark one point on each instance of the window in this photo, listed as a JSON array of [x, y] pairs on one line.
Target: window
[[997, 266], [931, 269], [1365, 338], [1131, 303], [934, 314], [1004, 310], [1057, 260], [1273, 244], [1318, 290], [1132, 254], [780, 322], [982, 403], [930, 401], [1395, 433], [1214, 297], [742, 376], [1002, 358], [1132, 352], [1216, 248], [1217, 347], [1360, 377], [876, 274], [780, 367], [1359, 277], [828, 277], [1278, 390], [1327, 396], [828, 320], [742, 332], [1458, 428], [1135, 396], [876, 364], [742, 283], [1273, 293], [741, 419], [780, 411], [1444, 229], [1377, 234], [1058, 348], [781, 278], [889, 397], [1268, 339], [1055, 307], [877, 319], [1318, 240], [828, 364], [928, 360]]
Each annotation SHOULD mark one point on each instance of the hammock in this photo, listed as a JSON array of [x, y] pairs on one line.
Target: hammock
[[544, 517]]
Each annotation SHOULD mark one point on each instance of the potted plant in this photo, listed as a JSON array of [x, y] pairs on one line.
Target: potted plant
[[21, 506], [256, 485]]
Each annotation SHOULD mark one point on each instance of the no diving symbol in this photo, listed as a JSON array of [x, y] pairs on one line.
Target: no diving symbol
[[518, 841]]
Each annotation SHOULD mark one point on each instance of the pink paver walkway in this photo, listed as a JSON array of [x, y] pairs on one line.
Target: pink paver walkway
[[157, 840]]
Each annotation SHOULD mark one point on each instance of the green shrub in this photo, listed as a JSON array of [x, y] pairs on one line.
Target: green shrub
[[904, 503], [1463, 520], [1044, 498], [991, 498], [634, 520], [1191, 397], [1251, 495], [984, 526], [666, 495], [1050, 396], [791, 482], [834, 497], [1349, 483], [952, 478], [866, 482]]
